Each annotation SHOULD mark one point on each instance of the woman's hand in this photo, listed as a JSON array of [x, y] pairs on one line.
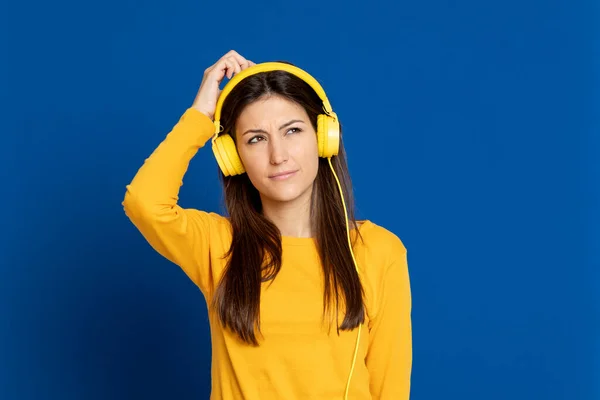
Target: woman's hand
[[208, 94]]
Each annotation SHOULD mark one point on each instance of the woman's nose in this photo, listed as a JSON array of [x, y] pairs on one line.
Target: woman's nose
[[279, 152]]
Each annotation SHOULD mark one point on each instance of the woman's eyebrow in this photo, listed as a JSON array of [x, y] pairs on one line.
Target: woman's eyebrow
[[280, 128]]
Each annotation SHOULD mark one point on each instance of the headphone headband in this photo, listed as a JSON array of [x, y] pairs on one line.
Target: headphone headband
[[265, 67]]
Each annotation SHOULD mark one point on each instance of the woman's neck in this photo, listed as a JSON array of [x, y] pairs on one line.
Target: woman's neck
[[291, 217]]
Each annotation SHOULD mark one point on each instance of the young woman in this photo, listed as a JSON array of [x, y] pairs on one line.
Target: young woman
[[304, 301]]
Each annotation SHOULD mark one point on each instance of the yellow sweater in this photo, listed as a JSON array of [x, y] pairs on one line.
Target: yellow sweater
[[298, 357]]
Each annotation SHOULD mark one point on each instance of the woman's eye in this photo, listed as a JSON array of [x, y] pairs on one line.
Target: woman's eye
[[255, 139]]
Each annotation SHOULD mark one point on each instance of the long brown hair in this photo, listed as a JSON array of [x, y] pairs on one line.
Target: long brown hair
[[255, 255]]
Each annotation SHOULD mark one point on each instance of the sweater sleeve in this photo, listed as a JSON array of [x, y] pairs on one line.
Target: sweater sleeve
[[389, 358], [150, 202]]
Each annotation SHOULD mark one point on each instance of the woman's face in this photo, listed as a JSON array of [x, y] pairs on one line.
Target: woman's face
[[278, 147]]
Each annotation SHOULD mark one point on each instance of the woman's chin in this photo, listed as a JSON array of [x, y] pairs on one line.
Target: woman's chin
[[284, 195]]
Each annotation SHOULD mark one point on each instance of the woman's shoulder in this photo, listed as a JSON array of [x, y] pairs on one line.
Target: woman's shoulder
[[378, 248], [213, 220], [382, 259], [380, 239]]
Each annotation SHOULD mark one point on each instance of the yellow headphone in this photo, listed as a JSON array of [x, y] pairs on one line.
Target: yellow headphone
[[328, 138], [328, 127]]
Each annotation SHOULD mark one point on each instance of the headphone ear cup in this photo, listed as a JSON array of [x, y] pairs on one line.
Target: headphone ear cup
[[227, 156], [328, 135]]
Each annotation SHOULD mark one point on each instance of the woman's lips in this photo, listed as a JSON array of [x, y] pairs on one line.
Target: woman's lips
[[282, 175]]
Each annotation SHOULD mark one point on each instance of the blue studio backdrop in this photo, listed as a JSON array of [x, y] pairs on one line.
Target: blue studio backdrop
[[471, 130]]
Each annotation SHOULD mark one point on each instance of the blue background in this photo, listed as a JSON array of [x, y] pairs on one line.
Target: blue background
[[472, 133]]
